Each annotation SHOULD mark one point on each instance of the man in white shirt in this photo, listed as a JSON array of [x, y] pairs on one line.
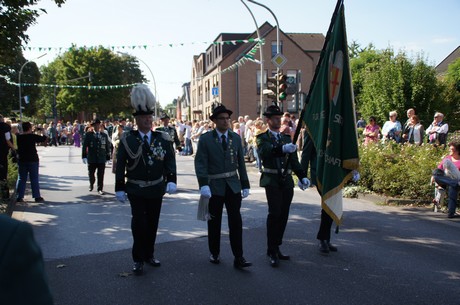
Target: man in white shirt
[[437, 131], [188, 138]]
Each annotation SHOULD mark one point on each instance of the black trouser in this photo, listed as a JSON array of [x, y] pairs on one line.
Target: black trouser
[[232, 203], [324, 232], [144, 225], [279, 201], [3, 165], [100, 174], [53, 141]]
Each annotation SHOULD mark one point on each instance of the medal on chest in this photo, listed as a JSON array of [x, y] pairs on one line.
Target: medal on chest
[[154, 151], [230, 149]]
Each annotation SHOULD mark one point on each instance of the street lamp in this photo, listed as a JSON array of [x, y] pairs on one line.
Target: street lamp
[[19, 84], [261, 59], [277, 39], [153, 78]]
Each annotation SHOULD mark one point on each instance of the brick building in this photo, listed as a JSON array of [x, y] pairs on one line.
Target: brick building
[[239, 88]]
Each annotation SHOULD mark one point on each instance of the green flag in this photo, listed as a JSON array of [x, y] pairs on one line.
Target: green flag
[[330, 119]]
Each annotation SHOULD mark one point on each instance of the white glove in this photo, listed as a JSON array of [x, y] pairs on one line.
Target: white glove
[[121, 196], [85, 160], [244, 193], [205, 191], [289, 148], [171, 188], [304, 184], [356, 176]]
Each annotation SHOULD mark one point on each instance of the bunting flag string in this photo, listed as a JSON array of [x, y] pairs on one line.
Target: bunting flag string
[[249, 56], [89, 86], [139, 47]]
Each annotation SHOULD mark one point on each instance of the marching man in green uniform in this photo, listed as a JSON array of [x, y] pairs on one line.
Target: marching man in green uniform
[[222, 177], [169, 130], [95, 153], [273, 148], [146, 169]]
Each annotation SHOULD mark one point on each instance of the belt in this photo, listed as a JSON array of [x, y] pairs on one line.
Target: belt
[[274, 171], [223, 175], [143, 183]]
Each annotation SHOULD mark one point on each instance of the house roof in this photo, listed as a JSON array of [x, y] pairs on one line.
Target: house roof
[[441, 68], [308, 41]]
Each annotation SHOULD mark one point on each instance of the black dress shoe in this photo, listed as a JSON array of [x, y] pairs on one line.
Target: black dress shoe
[[91, 188], [453, 215], [274, 259], [331, 247], [283, 257], [138, 268], [153, 262], [39, 199], [214, 259], [240, 263], [323, 247]]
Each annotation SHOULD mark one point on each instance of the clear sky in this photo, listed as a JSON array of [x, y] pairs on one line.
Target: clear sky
[[428, 26]]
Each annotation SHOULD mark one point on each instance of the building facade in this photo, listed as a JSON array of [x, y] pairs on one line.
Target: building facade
[[216, 79]]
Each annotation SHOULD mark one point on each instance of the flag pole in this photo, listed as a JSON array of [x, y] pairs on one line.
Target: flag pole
[[312, 84]]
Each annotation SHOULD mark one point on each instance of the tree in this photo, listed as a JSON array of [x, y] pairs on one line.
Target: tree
[[451, 94], [75, 93], [9, 92], [16, 16], [385, 82]]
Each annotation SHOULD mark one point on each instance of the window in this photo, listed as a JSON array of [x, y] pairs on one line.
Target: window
[[274, 48]]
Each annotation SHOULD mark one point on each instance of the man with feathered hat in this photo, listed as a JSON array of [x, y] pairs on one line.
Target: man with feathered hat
[[146, 169]]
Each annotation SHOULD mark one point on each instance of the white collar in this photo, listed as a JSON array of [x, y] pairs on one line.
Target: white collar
[[220, 133], [276, 134], [148, 134]]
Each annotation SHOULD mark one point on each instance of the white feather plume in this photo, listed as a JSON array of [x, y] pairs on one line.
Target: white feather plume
[[142, 99]]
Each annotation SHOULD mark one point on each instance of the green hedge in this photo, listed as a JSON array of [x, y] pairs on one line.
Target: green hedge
[[5, 204], [400, 170]]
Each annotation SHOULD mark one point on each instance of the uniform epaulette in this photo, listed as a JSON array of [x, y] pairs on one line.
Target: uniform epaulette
[[261, 134], [164, 135], [131, 133], [285, 135]]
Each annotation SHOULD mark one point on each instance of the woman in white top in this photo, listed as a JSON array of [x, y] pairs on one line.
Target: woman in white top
[[415, 135], [392, 128]]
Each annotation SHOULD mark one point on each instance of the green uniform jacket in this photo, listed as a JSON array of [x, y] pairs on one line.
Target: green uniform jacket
[[212, 159], [22, 272], [270, 151], [139, 163], [96, 149], [172, 133]]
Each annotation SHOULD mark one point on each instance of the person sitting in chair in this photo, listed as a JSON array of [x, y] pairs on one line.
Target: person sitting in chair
[[450, 177]]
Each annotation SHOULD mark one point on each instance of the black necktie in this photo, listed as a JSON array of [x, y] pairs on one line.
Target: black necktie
[[146, 141], [224, 142]]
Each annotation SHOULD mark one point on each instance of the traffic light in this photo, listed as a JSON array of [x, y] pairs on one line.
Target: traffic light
[[282, 86], [278, 86]]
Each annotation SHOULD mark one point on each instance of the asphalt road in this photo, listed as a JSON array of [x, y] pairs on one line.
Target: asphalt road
[[387, 255]]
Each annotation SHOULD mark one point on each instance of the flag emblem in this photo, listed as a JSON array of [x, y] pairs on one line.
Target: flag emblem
[[335, 75]]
